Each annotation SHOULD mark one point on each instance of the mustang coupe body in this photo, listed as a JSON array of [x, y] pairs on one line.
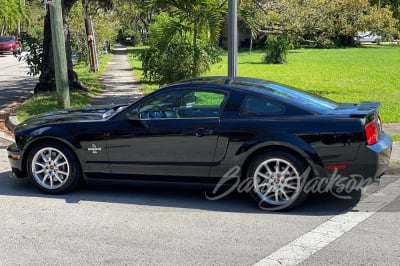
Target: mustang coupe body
[[277, 137]]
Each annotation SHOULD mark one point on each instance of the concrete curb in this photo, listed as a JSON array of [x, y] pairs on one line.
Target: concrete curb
[[12, 121]]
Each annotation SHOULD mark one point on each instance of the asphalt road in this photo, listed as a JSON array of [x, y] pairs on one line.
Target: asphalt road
[[172, 224], [15, 84]]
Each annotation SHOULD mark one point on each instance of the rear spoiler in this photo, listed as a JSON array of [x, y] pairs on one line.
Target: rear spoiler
[[365, 108], [368, 106]]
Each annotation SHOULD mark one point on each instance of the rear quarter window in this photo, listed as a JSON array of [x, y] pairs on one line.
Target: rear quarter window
[[259, 106], [253, 106]]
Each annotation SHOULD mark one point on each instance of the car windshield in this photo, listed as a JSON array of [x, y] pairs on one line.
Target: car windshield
[[6, 39], [299, 97]]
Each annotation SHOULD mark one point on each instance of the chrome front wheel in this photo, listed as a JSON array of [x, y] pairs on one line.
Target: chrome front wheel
[[53, 167], [50, 168]]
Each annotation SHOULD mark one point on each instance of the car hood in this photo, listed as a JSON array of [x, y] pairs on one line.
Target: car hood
[[68, 115]]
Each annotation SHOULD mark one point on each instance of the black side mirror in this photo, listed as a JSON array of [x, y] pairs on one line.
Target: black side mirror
[[133, 115]]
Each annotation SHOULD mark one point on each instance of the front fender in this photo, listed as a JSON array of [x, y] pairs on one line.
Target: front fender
[[26, 141]]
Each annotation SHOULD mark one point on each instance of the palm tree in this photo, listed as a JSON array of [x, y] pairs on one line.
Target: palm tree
[[249, 14], [201, 18]]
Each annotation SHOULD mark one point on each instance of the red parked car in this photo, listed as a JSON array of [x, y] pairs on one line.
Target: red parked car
[[9, 44]]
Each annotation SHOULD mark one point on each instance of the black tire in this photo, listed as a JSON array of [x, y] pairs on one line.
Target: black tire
[[53, 168], [278, 189]]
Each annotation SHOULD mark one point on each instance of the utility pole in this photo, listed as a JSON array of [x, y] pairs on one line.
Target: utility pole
[[91, 44], [232, 39], [60, 57]]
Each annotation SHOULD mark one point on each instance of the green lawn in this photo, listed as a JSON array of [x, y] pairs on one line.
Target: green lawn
[[345, 75], [46, 102]]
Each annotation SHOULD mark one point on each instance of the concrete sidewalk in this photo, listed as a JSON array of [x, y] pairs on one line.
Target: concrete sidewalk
[[121, 87], [393, 129]]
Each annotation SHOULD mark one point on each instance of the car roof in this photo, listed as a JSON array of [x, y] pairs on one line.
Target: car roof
[[244, 84], [234, 81], [266, 87]]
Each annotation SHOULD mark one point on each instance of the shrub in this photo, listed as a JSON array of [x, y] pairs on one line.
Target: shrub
[[176, 62], [277, 46], [33, 47]]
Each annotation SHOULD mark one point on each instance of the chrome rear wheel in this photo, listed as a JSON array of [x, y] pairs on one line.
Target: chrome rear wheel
[[277, 179]]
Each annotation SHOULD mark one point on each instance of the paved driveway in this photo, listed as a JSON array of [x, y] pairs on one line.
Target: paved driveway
[[15, 84]]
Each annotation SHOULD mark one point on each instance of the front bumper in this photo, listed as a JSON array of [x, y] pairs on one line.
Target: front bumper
[[8, 50], [15, 160]]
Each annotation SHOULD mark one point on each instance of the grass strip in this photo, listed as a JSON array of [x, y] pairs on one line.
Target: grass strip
[[47, 101]]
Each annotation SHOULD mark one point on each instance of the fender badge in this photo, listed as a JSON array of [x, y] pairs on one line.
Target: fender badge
[[94, 149]]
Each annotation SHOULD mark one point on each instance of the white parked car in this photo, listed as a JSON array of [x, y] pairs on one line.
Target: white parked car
[[368, 36]]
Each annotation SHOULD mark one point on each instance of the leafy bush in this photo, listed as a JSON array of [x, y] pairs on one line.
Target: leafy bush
[[33, 46], [176, 62], [277, 46]]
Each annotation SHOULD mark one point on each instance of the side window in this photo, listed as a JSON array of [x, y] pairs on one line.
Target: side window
[[182, 104], [253, 106]]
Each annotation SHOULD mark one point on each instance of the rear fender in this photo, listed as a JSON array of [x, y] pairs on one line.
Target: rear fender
[[286, 141]]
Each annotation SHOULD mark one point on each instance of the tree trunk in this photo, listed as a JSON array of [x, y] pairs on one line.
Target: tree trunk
[[47, 76], [195, 70]]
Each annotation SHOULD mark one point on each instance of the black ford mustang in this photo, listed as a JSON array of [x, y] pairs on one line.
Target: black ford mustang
[[277, 137]]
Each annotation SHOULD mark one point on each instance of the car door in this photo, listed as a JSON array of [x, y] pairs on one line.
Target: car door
[[171, 133]]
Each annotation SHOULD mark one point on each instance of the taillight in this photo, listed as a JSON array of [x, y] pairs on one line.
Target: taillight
[[380, 123], [371, 132]]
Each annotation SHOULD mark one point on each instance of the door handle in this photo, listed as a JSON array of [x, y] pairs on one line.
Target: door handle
[[200, 132]]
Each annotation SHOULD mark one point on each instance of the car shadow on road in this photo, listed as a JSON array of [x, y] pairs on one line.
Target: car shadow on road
[[176, 195]]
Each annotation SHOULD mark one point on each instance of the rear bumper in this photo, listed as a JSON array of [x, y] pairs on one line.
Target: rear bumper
[[381, 152], [372, 160]]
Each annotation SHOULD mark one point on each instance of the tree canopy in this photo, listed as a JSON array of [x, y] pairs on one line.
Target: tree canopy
[[12, 14], [323, 22], [196, 26]]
